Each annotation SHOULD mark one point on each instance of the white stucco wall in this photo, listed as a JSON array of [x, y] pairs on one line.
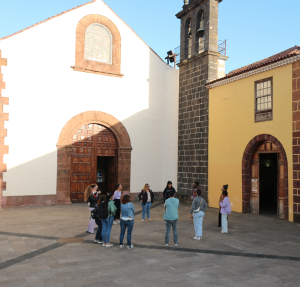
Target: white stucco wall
[[45, 93]]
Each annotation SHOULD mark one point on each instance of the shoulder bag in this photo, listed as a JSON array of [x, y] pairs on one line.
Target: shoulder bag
[[197, 210]]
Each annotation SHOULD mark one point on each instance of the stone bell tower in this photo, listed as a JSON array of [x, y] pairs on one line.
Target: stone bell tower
[[199, 63]]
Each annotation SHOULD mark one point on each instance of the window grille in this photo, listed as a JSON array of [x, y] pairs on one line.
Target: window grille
[[264, 100], [98, 44]]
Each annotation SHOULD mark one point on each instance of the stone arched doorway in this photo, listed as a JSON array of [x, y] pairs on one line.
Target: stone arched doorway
[[264, 148], [92, 124]]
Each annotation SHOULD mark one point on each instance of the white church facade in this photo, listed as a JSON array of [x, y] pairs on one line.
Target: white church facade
[[84, 100]]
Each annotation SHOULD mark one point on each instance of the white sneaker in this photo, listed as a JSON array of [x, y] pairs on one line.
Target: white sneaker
[[96, 241], [197, 238], [176, 244], [115, 222], [99, 241], [122, 246], [104, 245], [130, 247], [166, 244], [109, 245]]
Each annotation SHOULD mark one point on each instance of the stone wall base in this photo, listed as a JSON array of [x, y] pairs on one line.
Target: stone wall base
[[33, 200]]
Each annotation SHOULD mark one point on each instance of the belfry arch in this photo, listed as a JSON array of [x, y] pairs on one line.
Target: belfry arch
[[263, 144], [66, 141]]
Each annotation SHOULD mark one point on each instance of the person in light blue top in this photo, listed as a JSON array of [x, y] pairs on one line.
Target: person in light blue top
[[127, 221], [171, 216]]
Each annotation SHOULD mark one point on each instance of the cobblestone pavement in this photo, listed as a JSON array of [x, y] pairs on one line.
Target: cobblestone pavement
[[258, 251]]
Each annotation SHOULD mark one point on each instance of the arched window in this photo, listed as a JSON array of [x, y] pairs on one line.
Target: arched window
[[98, 44], [188, 38]]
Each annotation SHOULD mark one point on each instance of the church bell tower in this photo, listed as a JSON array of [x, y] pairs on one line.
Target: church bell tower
[[199, 61]]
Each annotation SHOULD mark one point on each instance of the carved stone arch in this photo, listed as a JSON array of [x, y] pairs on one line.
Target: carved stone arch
[[82, 65], [64, 148], [246, 169]]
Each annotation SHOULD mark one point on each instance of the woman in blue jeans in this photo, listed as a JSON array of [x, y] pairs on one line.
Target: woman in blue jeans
[[197, 212], [146, 197], [108, 222], [127, 221]]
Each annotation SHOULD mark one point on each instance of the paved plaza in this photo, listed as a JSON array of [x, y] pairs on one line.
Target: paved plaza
[[258, 251]]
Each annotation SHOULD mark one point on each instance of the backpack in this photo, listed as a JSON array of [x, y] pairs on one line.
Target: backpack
[[102, 211], [94, 213]]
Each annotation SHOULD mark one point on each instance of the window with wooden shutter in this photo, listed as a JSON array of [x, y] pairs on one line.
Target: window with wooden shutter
[[264, 100]]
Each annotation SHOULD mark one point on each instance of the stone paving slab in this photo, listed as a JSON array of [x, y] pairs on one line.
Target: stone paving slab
[[217, 260]]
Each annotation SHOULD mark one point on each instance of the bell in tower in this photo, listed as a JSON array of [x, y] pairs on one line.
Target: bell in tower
[[201, 25]]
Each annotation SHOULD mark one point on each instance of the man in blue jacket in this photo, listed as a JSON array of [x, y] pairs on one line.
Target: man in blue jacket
[[171, 216]]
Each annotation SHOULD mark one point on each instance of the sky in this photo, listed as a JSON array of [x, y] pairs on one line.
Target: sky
[[254, 29]]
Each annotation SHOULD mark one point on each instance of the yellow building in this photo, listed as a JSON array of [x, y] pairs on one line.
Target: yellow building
[[253, 137]]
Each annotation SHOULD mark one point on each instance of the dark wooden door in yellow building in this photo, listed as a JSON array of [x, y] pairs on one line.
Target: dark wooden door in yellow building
[[267, 181]]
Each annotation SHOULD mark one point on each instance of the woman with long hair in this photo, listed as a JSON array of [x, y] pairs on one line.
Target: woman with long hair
[[117, 200], [197, 212], [222, 196], [98, 237], [127, 221], [167, 190], [91, 196], [225, 210], [107, 223], [146, 197]]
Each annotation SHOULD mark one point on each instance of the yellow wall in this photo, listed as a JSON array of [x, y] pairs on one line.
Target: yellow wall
[[232, 126]]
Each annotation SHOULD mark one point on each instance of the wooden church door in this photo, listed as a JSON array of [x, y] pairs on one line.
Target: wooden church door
[[254, 192], [90, 141]]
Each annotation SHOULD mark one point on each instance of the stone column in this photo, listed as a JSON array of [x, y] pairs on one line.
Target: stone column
[[124, 168], [3, 132], [296, 141], [63, 187]]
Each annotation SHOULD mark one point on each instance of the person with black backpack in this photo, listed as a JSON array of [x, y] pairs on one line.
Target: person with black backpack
[[107, 211], [95, 215]]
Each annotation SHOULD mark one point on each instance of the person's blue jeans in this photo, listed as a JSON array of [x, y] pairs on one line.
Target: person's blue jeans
[[224, 223], [123, 225], [172, 223], [106, 228], [146, 208], [198, 219], [99, 231]]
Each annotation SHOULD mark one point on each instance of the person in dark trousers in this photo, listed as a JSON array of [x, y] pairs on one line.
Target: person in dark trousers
[[127, 221], [170, 217], [168, 189], [146, 197], [98, 237]]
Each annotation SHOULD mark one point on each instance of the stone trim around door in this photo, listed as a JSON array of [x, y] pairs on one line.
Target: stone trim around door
[[64, 148], [82, 65], [3, 132], [246, 173], [296, 141]]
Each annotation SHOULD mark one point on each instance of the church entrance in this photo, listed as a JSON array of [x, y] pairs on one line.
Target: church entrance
[[93, 160], [267, 181]]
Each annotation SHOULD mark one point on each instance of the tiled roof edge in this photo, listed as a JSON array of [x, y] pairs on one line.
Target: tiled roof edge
[[245, 74], [46, 20], [6, 37]]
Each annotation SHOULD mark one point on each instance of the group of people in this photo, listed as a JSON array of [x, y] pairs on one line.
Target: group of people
[[113, 209]]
